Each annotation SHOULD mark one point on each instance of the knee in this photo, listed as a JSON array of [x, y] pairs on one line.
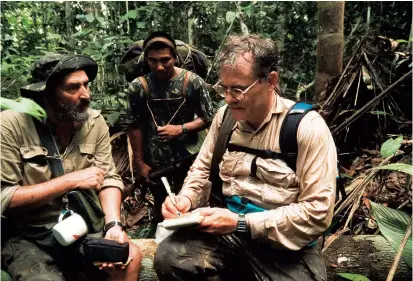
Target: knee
[[163, 258]]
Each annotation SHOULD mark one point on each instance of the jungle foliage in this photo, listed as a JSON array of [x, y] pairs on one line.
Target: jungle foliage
[[104, 29]]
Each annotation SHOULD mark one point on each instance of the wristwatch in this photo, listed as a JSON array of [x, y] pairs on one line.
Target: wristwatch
[[242, 224], [184, 129], [111, 224]]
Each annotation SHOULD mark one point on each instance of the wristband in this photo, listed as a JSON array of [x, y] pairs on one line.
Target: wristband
[[111, 224]]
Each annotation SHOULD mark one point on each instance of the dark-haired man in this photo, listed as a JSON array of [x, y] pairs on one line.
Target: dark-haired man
[[33, 195], [168, 106], [272, 214]]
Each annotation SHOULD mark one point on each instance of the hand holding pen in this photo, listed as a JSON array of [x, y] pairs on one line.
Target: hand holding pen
[[174, 205]]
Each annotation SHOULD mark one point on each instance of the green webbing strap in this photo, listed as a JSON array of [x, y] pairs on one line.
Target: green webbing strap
[[53, 155]]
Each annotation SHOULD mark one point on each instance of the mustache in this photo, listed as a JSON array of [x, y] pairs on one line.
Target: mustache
[[83, 103]]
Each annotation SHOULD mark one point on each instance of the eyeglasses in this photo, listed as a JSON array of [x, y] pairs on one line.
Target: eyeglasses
[[234, 92]]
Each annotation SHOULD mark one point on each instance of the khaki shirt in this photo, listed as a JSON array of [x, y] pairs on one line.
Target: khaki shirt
[[299, 205], [23, 161]]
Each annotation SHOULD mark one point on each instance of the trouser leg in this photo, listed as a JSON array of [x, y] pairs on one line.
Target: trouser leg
[[190, 255], [198, 256], [25, 261], [268, 263], [38, 256]]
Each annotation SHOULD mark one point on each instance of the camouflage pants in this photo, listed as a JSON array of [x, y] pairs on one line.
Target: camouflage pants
[[189, 255], [40, 257]]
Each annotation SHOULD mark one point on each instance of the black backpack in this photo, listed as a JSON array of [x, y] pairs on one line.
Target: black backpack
[[288, 147], [133, 64]]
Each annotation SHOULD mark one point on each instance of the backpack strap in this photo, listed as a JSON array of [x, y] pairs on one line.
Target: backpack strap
[[144, 85], [187, 75], [288, 132], [221, 143]]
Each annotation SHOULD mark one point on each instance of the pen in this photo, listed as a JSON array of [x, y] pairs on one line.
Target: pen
[[168, 189]]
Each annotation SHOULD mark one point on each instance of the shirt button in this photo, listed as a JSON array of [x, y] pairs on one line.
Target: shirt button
[[248, 178]]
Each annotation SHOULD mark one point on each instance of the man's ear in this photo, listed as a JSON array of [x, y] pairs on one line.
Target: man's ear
[[273, 80]]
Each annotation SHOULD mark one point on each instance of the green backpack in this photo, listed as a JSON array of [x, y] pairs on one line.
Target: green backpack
[[133, 64]]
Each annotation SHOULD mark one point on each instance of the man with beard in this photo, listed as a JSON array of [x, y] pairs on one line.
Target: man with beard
[[32, 199], [272, 213], [162, 118]]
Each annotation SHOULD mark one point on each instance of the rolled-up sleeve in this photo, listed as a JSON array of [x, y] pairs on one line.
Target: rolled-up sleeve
[[11, 165], [297, 224], [104, 159], [197, 187]]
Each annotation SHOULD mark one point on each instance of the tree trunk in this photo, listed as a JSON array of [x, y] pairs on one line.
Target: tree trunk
[[68, 21], [330, 41], [368, 255], [190, 26]]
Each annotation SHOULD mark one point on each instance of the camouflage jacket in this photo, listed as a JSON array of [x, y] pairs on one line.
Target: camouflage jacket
[[164, 100]]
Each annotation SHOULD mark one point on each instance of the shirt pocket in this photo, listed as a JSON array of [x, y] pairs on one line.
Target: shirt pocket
[[35, 165], [281, 183], [87, 152]]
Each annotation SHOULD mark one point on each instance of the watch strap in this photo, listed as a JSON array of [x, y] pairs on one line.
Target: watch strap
[[242, 224], [111, 224], [184, 129]]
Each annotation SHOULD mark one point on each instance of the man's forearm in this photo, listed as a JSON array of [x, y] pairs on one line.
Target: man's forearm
[[32, 196], [135, 136], [110, 199], [195, 125]]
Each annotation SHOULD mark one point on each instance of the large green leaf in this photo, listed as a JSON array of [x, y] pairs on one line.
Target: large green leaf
[[401, 167], [353, 277], [393, 224], [391, 146], [24, 105], [112, 118]]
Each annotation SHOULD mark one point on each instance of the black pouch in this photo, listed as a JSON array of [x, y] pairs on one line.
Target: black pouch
[[83, 203], [104, 250]]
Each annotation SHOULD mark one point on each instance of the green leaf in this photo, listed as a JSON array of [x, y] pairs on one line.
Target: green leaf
[[24, 105], [90, 18], [101, 20], [393, 224], [140, 24], [230, 16], [132, 14], [353, 277], [52, 36], [112, 118], [391, 146], [80, 17], [405, 168]]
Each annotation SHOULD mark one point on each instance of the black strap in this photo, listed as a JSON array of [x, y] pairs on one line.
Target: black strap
[[254, 167], [221, 143], [53, 155], [288, 132]]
